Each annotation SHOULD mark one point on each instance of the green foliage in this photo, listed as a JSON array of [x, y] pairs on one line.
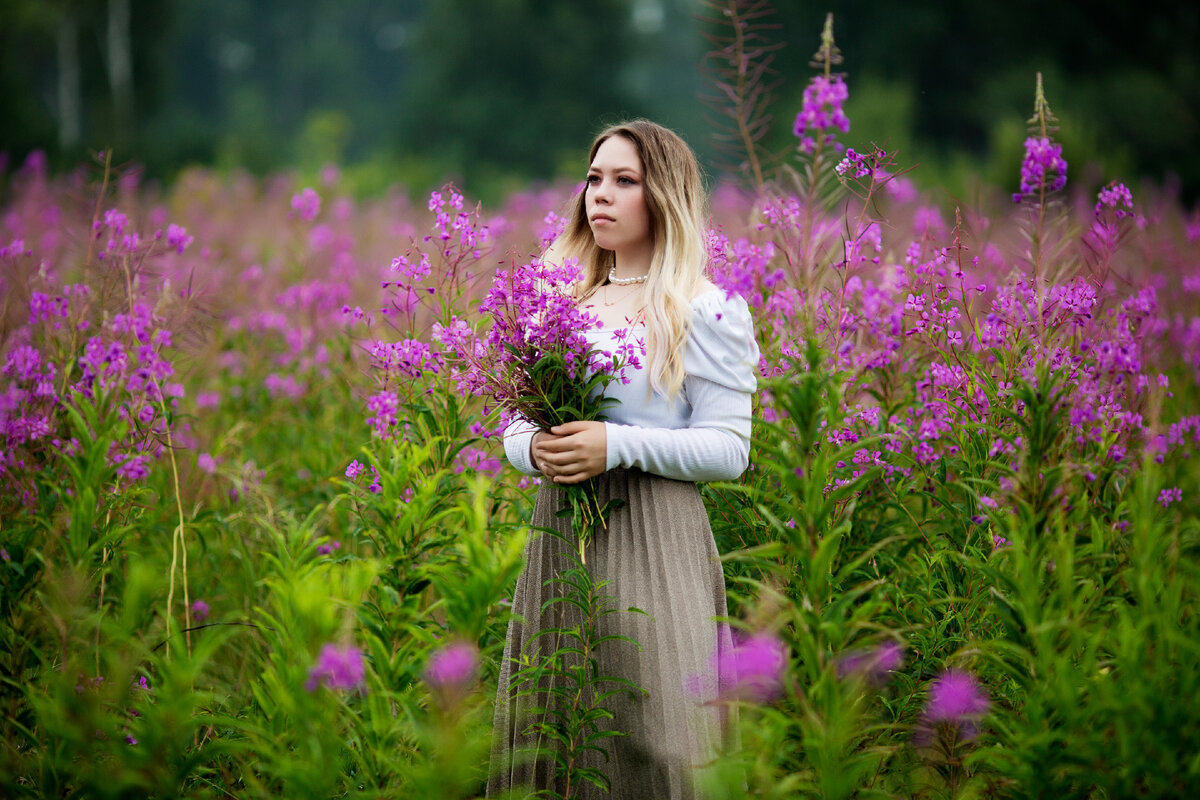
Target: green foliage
[[566, 685]]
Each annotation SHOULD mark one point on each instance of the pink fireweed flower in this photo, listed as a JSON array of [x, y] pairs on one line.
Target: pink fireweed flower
[[1117, 197], [307, 204], [476, 460], [177, 237], [1168, 496], [821, 112], [875, 665], [134, 468], [385, 409], [860, 165], [1043, 169], [452, 666], [536, 325], [338, 668], [354, 469], [754, 667], [328, 548], [957, 700], [200, 610], [206, 400]]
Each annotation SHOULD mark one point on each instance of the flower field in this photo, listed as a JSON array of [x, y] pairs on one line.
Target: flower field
[[258, 541]]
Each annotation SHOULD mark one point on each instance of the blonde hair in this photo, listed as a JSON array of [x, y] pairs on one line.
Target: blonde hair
[[675, 199]]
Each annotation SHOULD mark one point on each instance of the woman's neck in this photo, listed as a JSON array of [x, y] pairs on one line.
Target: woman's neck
[[633, 264]]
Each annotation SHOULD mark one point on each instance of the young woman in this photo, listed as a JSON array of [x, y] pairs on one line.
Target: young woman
[[637, 229]]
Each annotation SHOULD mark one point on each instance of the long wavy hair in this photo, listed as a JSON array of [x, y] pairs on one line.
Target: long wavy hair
[[675, 198]]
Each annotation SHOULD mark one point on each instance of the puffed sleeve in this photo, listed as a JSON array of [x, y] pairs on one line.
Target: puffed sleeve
[[720, 378], [721, 347]]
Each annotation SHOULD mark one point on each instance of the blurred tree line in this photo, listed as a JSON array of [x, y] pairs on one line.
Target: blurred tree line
[[496, 92]]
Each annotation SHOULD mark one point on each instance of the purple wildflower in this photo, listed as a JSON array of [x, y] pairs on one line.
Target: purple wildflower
[[337, 667], [1168, 496], [875, 665], [859, 165], [206, 463], [354, 469], [821, 112], [474, 459], [200, 610], [177, 237], [956, 700], [754, 667], [1117, 197], [452, 666], [307, 203], [1043, 169], [328, 548], [134, 468], [535, 322]]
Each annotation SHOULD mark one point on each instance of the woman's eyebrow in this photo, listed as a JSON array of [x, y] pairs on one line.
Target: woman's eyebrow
[[601, 168]]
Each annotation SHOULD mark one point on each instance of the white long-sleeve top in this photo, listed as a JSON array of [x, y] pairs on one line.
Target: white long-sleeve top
[[703, 434]]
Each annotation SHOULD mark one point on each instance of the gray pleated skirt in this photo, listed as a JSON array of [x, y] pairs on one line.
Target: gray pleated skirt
[[658, 555]]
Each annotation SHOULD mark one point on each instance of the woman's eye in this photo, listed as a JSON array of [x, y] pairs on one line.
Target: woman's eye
[[593, 179], [626, 180]]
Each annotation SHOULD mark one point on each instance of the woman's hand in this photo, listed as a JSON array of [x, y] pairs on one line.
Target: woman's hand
[[572, 452]]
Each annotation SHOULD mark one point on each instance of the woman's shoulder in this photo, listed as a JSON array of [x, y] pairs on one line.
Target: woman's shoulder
[[703, 288], [721, 346], [712, 305]]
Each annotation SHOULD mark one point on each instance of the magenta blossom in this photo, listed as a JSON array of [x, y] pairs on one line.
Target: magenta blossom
[[535, 359], [1168, 496], [875, 665], [1043, 169], [453, 666], [1116, 196], [337, 667], [956, 702], [307, 203], [200, 610], [755, 667], [821, 112]]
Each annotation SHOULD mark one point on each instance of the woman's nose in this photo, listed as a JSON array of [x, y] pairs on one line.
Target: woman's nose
[[602, 192]]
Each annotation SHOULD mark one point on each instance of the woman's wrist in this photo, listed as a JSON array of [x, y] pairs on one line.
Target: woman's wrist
[[533, 458]]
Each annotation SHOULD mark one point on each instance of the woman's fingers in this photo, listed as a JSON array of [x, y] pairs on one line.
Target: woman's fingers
[[572, 452], [568, 428]]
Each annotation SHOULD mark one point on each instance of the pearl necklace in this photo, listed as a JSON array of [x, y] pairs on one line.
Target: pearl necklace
[[612, 278]]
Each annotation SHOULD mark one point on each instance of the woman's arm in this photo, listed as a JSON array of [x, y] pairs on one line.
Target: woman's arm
[[715, 445], [518, 445]]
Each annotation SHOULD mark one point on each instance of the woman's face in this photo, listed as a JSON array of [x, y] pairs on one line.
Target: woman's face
[[615, 200]]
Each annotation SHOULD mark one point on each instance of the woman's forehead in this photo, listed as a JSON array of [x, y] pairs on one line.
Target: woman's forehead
[[617, 152]]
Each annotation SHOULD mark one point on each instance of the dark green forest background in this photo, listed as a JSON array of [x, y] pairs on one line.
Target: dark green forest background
[[496, 93]]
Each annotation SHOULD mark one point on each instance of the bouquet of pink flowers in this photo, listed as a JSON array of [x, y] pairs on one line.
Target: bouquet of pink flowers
[[535, 360]]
